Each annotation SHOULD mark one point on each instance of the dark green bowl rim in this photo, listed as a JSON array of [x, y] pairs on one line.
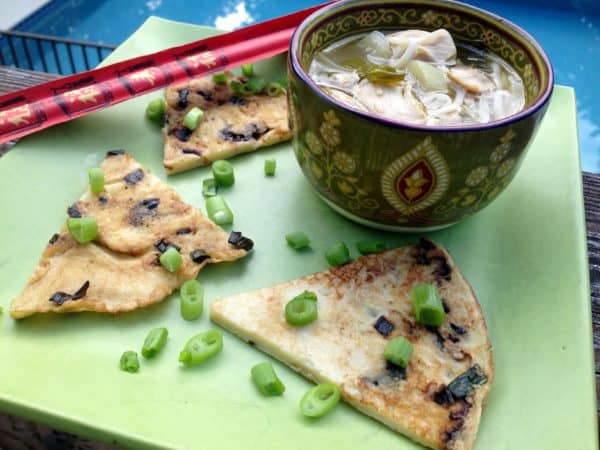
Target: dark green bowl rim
[[536, 106]]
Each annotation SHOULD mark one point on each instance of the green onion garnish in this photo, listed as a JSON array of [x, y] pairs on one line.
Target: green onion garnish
[[191, 300], [193, 118], [302, 309], [297, 240], [155, 341], [337, 254], [283, 81], [171, 259], [367, 247], [236, 87], [319, 400], [274, 89], [96, 177], [247, 70], [83, 229], [398, 351], [129, 361], [266, 379], [201, 347], [220, 78], [1, 309], [209, 187], [270, 166], [255, 85], [218, 211], [223, 172], [428, 305], [155, 111]]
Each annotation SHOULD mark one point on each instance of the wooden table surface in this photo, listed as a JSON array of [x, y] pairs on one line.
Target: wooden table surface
[[13, 79]]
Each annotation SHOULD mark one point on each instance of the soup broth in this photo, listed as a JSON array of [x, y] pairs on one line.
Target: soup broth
[[418, 77]]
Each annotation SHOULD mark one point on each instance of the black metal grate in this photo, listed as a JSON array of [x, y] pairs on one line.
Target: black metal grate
[[50, 54]]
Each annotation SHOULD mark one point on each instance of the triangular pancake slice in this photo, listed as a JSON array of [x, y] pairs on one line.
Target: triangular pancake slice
[[231, 124], [361, 306], [138, 217]]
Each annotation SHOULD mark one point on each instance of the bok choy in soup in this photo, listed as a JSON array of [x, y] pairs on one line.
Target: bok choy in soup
[[418, 77]]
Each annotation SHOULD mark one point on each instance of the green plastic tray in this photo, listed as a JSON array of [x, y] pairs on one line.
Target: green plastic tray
[[525, 256]]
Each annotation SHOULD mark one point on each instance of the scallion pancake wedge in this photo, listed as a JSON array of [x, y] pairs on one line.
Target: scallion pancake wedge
[[344, 345], [139, 217]]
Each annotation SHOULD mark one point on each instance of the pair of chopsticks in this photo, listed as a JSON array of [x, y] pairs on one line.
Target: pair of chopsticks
[[33, 109]]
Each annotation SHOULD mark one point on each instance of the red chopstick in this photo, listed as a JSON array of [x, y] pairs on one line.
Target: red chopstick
[[38, 107]]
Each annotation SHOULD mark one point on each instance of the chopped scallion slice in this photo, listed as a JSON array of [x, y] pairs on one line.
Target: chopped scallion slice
[[428, 305], [155, 111], [220, 78], [209, 187], [302, 309], [270, 166], [398, 351], [193, 118], [201, 347], [96, 177], [171, 259], [274, 89], [155, 341], [191, 300], [129, 361], [247, 70], [319, 400], [337, 254], [223, 172], [236, 87], [266, 379], [255, 85], [83, 229], [218, 211], [297, 240], [366, 247]]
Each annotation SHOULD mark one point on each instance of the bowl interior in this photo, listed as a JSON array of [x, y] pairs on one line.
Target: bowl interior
[[466, 23]]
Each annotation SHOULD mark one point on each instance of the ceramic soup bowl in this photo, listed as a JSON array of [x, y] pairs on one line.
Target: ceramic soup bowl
[[398, 176]]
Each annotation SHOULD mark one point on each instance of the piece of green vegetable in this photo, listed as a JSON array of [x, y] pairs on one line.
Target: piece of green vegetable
[[255, 85], [192, 118], [398, 351], [96, 177], [247, 70], [319, 400], [155, 111], [266, 379], [274, 89], [201, 347], [427, 305], [429, 77], [223, 172], [171, 259], [129, 361], [209, 187], [155, 341], [236, 87], [218, 211], [191, 300], [337, 254], [367, 247], [83, 229], [270, 166], [220, 78], [302, 309], [297, 240]]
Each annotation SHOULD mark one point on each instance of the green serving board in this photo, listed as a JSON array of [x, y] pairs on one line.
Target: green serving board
[[525, 256]]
